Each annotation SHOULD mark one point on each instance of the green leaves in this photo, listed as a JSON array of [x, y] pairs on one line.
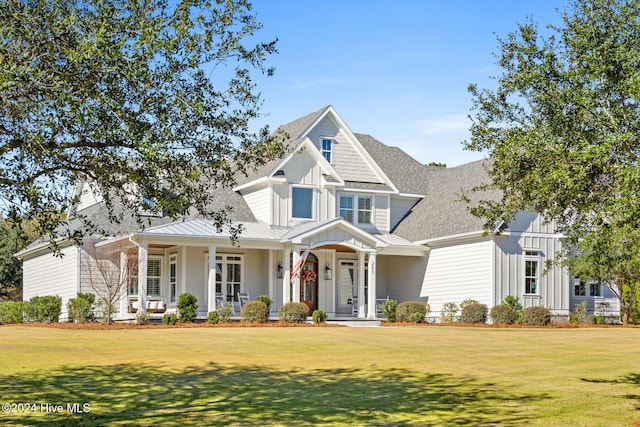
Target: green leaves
[[562, 129], [128, 95]]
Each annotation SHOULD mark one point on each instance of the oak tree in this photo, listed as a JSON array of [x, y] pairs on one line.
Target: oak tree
[[562, 129]]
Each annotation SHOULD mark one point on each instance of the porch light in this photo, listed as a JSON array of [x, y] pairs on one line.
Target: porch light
[[327, 272], [279, 270]]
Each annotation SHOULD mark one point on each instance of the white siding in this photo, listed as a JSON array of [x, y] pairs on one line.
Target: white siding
[[88, 196], [258, 202], [457, 272], [50, 275], [399, 208], [400, 278], [381, 212]]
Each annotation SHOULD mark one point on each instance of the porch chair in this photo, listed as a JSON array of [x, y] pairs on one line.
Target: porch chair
[[243, 297], [219, 300], [354, 306]]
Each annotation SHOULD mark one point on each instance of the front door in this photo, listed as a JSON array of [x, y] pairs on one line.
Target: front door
[[309, 283]]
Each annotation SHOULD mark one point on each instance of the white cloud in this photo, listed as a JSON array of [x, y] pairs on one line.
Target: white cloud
[[443, 124]]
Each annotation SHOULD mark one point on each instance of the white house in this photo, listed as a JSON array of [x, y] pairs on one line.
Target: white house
[[378, 225]]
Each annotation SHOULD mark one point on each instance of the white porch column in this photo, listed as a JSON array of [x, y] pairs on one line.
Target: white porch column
[[183, 271], [296, 283], [361, 301], [211, 284], [371, 303], [124, 283], [271, 269], [286, 282], [142, 276]]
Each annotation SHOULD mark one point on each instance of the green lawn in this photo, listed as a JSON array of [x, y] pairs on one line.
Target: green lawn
[[323, 376]]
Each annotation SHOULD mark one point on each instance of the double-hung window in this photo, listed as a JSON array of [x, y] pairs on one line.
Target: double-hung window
[[302, 203], [356, 209], [173, 277], [327, 146], [584, 289], [154, 278], [229, 274], [531, 272]]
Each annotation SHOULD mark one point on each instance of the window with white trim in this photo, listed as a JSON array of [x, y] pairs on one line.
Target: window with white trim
[[531, 272], [154, 278], [327, 149], [356, 209], [230, 272], [301, 202], [173, 277], [586, 289]]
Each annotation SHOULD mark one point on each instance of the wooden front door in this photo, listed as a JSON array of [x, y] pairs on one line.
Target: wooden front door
[[309, 283]]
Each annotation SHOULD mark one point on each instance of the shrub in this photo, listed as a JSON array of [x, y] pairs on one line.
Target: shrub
[[580, 312], [213, 317], [294, 312], [536, 316], [265, 299], [255, 312], [12, 312], [407, 308], [474, 313], [416, 317], [225, 312], [449, 312], [44, 309], [319, 316], [389, 310], [513, 302], [169, 319], [187, 308], [81, 308], [467, 302], [142, 318], [504, 314]]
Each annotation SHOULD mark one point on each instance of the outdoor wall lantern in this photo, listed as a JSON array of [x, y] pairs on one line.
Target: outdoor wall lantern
[[279, 270], [327, 272]]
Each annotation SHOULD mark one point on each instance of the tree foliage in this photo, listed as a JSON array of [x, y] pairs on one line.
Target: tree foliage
[[146, 100], [562, 130]]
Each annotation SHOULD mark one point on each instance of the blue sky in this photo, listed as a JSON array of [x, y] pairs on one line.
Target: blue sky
[[397, 70]]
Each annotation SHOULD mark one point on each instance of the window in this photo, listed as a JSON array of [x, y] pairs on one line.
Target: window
[[172, 277], [531, 271], [364, 211], [154, 278], [302, 203], [326, 149], [229, 272], [584, 289]]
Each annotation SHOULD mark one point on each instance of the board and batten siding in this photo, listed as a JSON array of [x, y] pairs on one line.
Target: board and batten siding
[[50, 275], [457, 272]]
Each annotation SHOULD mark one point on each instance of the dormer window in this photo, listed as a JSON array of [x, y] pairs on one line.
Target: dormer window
[[326, 148], [356, 209]]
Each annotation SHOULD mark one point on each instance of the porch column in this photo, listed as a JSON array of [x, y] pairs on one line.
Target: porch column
[[271, 274], [142, 276], [296, 283], [371, 303], [124, 284], [286, 283], [361, 301], [211, 284]]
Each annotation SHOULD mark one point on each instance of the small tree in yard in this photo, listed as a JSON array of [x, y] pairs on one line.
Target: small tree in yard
[[107, 278]]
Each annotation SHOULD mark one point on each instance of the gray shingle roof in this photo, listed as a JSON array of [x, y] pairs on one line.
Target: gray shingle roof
[[406, 173], [443, 212]]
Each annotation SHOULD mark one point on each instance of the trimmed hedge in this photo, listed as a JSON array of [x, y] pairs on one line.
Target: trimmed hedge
[[503, 314], [44, 309], [411, 309], [213, 317], [225, 312], [294, 312], [255, 312], [81, 308], [265, 299], [187, 308], [474, 313], [536, 316], [12, 312], [319, 316], [169, 319]]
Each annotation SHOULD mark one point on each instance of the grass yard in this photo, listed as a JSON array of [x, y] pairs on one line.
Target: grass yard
[[321, 376]]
